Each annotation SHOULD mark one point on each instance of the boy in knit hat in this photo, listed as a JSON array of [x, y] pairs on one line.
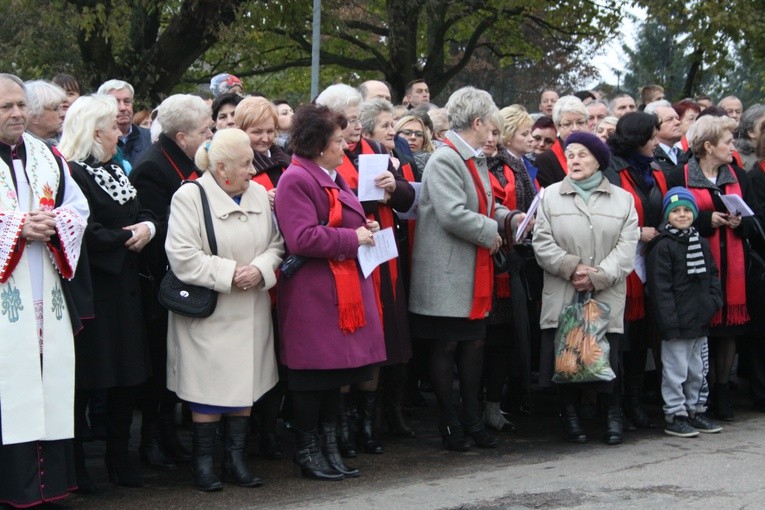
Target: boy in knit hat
[[685, 291]]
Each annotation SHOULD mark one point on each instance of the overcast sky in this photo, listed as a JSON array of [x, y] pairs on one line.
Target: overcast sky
[[612, 57]]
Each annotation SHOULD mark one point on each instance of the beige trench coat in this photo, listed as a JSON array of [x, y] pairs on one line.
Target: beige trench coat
[[226, 359], [602, 233]]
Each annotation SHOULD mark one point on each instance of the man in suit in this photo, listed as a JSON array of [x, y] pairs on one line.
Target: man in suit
[[666, 154]]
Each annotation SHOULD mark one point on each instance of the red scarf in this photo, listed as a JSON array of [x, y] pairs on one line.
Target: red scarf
[[557, 149], [264, 180], [734, 272], [484, 265], [348, 170], [507, 196], [193, 176], [406, 169], [350, 303], [635, 305], [684, 143]]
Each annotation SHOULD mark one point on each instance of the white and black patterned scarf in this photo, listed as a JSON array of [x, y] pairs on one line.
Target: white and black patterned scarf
[[694, 257], [112, 180]]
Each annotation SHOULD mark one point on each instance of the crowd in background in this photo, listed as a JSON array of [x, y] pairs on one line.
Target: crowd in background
[[273, 224]]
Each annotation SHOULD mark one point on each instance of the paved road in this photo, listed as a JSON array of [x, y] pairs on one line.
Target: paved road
[[532, 468]]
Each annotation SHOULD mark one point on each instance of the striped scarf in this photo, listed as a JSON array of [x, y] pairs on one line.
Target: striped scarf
[[694, 257]]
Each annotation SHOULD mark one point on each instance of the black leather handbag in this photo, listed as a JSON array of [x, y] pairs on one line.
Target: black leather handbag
[[183, 298]]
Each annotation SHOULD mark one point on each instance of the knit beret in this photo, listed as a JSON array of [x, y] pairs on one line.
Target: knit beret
[[223, 82], [676, 197], [594, 144]]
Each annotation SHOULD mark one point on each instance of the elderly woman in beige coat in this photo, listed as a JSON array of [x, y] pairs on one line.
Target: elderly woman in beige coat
[[585, 239], [223, 363]]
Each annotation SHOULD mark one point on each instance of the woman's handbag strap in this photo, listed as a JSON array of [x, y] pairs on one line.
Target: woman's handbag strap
[[208, 217]]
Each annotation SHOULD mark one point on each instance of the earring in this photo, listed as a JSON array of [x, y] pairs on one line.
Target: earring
[[227, 183], [321, 153]]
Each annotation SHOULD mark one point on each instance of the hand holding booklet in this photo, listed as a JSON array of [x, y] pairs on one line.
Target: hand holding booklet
[[736, 205], [521, 231]]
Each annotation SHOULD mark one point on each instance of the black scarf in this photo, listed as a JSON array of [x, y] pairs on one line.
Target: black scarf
[[694, 257], [524, 189]]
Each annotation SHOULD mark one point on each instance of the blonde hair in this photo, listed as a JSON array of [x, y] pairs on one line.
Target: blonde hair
[[513, 117], [220, 148], [254, 110], [427, 144], [709, 129], [86, 116]]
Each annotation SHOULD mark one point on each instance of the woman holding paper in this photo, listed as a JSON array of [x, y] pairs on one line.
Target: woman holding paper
[[329, 322], [459, 228], [377, 125], [708, 175], [397, 195]]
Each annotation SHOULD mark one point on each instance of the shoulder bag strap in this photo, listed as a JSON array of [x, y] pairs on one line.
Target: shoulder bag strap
[[208, 217]]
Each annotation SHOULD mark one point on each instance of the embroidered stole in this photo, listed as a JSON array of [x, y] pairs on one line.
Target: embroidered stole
[[36, 378]]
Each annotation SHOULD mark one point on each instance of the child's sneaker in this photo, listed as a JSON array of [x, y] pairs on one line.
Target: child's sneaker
[[703, 424], [680, 427]]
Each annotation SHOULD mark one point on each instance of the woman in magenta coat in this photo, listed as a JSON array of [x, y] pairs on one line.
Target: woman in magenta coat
[[328, 316]]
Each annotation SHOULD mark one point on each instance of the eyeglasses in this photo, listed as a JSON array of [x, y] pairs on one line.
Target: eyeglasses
[[408, 132], [539, 138], [353, 120], [567, 125]]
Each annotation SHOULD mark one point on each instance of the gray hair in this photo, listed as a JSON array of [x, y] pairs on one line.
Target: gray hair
[[182, 113], [467, 104], [338, 97], [568, 104], [612, 104], [41, 95], [369, 112], [651, 107], [610, 120], [600, 102], [440, 119], [110, 85], [750, 119], [86, 116], [15, 79]]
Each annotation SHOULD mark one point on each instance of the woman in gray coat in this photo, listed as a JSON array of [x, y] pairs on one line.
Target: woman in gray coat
[[458, 230]]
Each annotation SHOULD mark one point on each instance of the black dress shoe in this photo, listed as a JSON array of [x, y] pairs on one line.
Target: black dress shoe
[[122, 472], [153, 455], [453, 438], [481, 436]]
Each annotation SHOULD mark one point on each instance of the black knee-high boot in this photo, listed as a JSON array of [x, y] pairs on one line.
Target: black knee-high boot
[[366, 436], [203, 436], [234, 466]]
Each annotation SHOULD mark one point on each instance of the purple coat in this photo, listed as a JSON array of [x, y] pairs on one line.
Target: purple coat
[[307, 301]]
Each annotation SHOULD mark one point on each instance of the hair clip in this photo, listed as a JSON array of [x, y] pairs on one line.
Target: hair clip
[[207, 146]]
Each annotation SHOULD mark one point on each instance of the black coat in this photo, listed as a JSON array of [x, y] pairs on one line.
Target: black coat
[[398, 344], [112, 350], [549, 169], [683, 304], [156, 180]]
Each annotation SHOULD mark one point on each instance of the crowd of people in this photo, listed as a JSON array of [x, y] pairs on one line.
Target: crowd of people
[[649, 216]]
